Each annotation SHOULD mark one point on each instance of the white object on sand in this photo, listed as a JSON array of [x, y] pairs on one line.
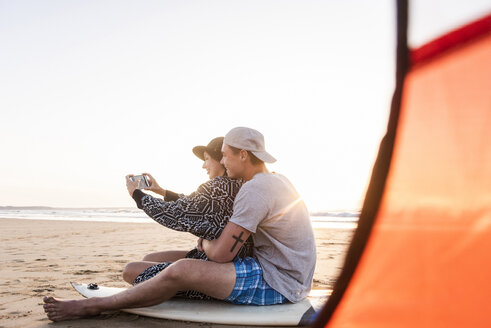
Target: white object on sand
[[219, 312]]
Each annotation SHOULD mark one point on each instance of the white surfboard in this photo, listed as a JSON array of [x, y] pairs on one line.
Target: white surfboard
[[219, 312]]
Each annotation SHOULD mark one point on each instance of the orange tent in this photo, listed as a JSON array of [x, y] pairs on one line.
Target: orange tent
[[421, 256]]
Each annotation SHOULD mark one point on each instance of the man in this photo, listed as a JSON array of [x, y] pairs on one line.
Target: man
[[266, 206]]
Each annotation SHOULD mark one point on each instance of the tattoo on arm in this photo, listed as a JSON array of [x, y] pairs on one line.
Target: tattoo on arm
[[237, 240]]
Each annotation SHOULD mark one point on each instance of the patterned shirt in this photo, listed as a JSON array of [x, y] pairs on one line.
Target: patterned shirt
[[204, 213]]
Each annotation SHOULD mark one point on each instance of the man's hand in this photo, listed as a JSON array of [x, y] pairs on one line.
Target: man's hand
[[131, 185]]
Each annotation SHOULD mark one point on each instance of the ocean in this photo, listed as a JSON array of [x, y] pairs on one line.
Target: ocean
[[327, 220]]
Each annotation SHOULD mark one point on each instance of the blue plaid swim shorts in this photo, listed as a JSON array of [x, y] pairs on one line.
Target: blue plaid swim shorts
[[250, 287]]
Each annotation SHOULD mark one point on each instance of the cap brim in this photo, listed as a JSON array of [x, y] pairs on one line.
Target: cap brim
[[199, 151], [264, 156]]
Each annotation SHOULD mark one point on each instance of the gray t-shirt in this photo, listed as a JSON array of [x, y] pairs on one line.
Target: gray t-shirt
[[271, 209]]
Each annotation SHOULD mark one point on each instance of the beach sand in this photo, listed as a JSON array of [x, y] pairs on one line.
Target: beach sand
[[42, 257]]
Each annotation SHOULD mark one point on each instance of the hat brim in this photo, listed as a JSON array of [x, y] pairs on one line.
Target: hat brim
[[199, 151], [264, 156]]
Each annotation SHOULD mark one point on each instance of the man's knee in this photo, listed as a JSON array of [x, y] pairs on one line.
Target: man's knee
[[182, 273], [213, 279], [176, 272]]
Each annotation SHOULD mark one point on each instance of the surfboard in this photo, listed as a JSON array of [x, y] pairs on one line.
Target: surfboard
[[219, 312]]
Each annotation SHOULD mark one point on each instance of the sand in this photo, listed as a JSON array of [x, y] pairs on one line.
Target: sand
[[41, 258]]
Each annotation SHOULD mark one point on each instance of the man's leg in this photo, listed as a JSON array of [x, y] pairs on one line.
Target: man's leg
[[214, 279]]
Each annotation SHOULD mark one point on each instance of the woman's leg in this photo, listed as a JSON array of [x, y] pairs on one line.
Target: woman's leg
[[133, 269], [165, 256]]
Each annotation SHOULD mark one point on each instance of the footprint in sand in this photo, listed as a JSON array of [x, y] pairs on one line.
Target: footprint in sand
[[42, 290], [83, 272]]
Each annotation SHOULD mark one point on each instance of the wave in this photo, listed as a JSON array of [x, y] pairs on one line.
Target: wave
[[331, 220]]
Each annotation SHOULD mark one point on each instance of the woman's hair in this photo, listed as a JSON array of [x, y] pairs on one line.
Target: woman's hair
[[254, 159]]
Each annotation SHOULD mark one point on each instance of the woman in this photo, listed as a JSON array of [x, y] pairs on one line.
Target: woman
[[203, 213]]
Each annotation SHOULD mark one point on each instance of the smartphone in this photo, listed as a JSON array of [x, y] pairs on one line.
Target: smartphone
[[144, 184]]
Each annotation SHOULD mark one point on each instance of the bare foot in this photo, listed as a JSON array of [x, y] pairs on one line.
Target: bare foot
[[60, 310]]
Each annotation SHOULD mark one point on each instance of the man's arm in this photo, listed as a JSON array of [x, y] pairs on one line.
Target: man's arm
[[225, 248]]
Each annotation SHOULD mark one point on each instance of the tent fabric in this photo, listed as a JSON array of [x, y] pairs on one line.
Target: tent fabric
[[454, 38], [427, 257]]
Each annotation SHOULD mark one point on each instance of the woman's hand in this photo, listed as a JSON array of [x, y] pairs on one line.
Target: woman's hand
[[131, 185], [154, 186]]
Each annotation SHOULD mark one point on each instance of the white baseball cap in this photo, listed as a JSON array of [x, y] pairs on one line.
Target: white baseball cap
[[251, 140]]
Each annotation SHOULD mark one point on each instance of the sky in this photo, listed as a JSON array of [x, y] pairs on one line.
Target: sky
[[93, 90]]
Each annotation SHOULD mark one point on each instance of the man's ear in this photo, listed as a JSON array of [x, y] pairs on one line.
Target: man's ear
[[243, 154]]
